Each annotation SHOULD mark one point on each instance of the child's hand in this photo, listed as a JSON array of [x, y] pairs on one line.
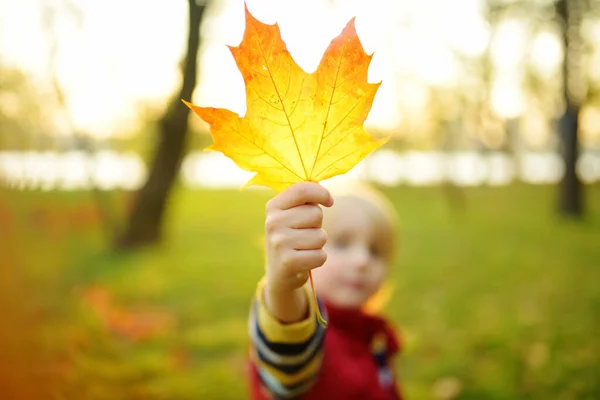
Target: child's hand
[[294, 236]]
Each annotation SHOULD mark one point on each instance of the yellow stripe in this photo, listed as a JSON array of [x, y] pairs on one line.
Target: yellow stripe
[[275, 331], [292, 379]]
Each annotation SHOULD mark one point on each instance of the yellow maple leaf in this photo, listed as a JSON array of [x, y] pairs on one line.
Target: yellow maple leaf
[[298, 126]]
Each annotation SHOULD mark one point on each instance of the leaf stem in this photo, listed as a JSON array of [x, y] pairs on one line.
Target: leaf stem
[[319, 315]]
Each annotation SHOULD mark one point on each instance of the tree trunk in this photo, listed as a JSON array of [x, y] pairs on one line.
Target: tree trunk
[[570, 188], [144, 226], [570, 203]]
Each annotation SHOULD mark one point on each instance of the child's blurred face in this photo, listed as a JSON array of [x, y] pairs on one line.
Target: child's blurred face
[[359, 247]]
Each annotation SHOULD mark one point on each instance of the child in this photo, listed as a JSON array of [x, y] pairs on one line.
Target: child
[[292, 355]]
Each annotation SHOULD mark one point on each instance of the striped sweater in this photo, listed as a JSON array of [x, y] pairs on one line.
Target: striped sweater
[[350, 359]]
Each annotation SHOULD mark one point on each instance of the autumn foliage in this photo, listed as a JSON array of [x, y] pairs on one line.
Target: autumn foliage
[[298, 126]]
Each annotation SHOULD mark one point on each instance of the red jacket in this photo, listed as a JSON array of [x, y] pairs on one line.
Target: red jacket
[[351, 367]]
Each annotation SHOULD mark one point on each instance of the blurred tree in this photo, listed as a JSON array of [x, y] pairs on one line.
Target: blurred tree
[[570, 195], [145, 219], [25, 122], [567, 17]]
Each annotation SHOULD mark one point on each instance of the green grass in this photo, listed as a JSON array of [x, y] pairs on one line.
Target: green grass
[[495, 296]]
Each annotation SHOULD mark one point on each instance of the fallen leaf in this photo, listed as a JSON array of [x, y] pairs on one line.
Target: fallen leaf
[[447, 388], [298, 126], [138, 324]]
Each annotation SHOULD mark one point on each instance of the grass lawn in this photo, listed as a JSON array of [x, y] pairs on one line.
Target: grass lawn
[[496, 297]]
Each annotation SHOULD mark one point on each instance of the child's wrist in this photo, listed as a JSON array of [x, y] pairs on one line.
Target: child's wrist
[[286, 305]]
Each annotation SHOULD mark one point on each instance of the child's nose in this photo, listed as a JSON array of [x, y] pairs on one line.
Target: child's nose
[[361, 257]]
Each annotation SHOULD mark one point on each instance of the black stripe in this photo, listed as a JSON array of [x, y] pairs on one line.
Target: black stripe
[[285, 349], [380, 359], [289, 387], [291, 369]]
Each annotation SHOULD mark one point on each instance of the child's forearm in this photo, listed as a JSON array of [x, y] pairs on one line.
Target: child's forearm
[[287, 306]]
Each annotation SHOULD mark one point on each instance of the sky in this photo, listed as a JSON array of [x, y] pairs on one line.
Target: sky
[[113, 55]]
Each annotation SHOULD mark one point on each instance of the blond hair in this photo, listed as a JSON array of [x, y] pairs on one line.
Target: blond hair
[[363, 191]]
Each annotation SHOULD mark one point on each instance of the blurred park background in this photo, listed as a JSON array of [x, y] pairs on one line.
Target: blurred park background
[[128, 256]]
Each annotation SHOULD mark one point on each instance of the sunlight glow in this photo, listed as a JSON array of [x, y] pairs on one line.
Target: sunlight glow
[[509, 44], [107, 63], [507, 97], [590, 125], [546, 54], [120, 55]]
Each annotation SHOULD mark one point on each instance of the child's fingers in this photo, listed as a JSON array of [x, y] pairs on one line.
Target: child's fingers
[[301, 193], [297, 261], [308, 239], [304, 216]]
